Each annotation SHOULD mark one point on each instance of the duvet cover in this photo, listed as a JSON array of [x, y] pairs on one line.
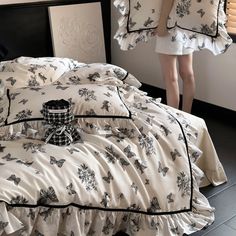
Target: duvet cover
[[137, 166]]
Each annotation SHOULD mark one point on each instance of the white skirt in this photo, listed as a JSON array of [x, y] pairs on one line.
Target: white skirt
[[166, 45]]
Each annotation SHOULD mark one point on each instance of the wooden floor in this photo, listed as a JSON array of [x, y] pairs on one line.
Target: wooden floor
[[223, 198], [221, 124]]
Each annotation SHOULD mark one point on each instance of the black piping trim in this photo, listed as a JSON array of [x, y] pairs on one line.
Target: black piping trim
[[176, 25], [118, 92], [187, 150], [125, 76], [76, 116], [97, 208]]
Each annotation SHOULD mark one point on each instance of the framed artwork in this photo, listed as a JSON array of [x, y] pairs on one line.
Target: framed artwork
[[77, 32]]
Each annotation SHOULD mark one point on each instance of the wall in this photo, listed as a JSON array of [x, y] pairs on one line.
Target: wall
[[215, 75]]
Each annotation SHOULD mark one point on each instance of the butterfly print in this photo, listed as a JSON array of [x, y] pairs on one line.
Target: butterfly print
[[12, 80], [163, 170], [59, 163], [45, 214], [93, 77], [23, 101], [62, 87], [201, 12], [175, 230], [134, 187], [72, 150], [128, 152], [52, 66], [14, 179], [165, 130], [27, 163], [70, 189], [42, 77], [106, 105], [31, 214], [108, 178], [154, 224], [120, 8], [148, 22], [8, 157], [3, 225], [175, 154], [140, 166], [66, 213], [131, 23], [154, 205], [105, 200], [47, 196], [13, 95], [123, 162], [107, 227], [138, 6], [18, 200], [170, 198]]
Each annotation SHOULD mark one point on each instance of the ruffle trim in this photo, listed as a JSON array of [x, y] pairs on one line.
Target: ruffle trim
[[75, 221], [128, 40], [196, 41], [217, 45]]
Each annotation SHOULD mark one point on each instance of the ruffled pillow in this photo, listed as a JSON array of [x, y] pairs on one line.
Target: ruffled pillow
[[29, 71], [197, 24], [98, 73]]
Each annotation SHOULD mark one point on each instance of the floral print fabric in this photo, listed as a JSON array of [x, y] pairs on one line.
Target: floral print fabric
[[196, 24]]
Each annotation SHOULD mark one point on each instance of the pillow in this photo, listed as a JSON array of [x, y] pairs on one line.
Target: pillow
[[88, 101], [197, 24], [197, 16], [98, 73], [28, 71]]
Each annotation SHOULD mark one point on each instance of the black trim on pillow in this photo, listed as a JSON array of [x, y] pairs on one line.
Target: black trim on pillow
[[199, 32], [75, 116], [176, 25], [127, 73]]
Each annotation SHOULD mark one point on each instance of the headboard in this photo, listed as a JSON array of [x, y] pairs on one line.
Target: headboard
[[25, 28]]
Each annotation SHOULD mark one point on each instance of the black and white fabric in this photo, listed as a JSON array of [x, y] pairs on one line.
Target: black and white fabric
[[195, 24], [117, 177], [58, 115], [57, 111]]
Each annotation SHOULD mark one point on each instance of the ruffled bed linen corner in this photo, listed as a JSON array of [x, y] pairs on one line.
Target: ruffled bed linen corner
[[27, 221], [128, 40], [196, 41], [217, 45], [201, 148]]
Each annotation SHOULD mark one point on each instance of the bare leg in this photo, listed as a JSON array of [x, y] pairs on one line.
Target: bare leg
[[170, 74], [187, 75]]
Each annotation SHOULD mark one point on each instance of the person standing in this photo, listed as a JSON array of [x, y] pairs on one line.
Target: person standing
[[175, 60]]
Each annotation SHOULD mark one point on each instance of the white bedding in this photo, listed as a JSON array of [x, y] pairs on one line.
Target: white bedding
[[140, 175]]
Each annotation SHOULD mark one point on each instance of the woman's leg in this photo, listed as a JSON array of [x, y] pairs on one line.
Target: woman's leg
[[170, 74], [187, 75]]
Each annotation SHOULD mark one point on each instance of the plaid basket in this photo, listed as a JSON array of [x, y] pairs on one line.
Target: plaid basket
[[59, 130], [57, 112]]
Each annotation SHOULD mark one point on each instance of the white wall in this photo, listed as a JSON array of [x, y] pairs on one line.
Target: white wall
[[215, 75]]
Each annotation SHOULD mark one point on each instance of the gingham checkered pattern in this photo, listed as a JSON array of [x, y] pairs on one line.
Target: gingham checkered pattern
[[62, 135], [58, 115], [57, 111]]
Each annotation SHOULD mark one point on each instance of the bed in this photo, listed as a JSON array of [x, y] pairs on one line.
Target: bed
[[134, 164]]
